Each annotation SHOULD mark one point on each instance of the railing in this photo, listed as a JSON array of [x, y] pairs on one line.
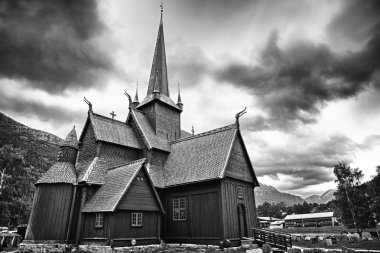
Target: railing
[[274, 239]]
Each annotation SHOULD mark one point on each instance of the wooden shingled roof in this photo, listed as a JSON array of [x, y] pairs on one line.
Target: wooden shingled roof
[[163, 98], [59, 172], [150, 138], [71, 140], [113, 131], [117, 182], [199, 157]]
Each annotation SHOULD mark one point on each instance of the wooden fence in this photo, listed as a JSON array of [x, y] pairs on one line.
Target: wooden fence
[[274, 239]]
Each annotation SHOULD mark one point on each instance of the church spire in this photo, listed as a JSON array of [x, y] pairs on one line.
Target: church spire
[[158, 74]]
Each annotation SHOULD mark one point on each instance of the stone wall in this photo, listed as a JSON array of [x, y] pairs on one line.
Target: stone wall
[[43, 248]]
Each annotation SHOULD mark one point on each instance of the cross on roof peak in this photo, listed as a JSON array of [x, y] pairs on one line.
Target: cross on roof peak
[[113, 114]]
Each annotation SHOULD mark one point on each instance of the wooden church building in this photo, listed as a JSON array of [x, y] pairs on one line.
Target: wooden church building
[[145, 179]]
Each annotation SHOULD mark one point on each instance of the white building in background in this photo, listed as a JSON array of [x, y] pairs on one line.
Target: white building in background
[[311, 220]]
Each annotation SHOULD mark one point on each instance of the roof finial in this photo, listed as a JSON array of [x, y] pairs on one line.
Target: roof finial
[[162, 7], [129, 98], [192, 130], [137, 95], [239, 114], [113, 114], [179, 100], [89, 105]]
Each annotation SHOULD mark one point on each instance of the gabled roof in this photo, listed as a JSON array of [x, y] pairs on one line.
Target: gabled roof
[[163, 98], [151, 140], [309, 216], [199, 157], [185, 134], [117, 183], [94, 171], [59, 172], [112, 131]]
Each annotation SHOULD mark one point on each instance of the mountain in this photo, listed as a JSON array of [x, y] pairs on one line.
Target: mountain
[[272, 195], [41, 147], [323, 199]]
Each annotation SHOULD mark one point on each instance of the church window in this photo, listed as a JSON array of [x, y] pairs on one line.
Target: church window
[[137, 219], [240, 192], [99, 220], [179, 209]]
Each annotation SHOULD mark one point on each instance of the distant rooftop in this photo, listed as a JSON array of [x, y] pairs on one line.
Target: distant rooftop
[[309, 216]]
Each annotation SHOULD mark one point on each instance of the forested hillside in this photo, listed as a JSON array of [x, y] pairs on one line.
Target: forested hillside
[[25, 154]]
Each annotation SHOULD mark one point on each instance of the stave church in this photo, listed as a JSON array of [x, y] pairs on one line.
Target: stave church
[[145, 180]]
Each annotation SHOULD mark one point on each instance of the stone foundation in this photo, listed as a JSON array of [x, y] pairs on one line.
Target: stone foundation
[[43, 248]]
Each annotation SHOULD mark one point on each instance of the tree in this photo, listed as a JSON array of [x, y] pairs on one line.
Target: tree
[[373, 191], [16, 187], [352, 197], [11, 161]]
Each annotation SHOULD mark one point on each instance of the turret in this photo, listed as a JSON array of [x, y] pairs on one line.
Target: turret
[[69, 148]]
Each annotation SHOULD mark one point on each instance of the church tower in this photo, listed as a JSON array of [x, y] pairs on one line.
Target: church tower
[[52, 203], [163, 114]]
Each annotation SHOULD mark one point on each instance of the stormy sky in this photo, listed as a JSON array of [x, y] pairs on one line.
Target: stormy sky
[[308, 72]]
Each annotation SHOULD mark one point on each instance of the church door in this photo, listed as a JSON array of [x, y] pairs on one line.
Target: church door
[[242, 221]]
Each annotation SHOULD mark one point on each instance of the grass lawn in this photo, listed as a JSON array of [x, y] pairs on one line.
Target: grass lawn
[[372, 245]]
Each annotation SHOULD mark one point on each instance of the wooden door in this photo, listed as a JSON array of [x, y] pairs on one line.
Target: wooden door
[[242, 220]]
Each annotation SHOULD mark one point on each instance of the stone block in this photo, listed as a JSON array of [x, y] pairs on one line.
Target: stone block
[[294, 250], [328, 242], [258, 250], [246, 244], [266, 248], [366, 236]]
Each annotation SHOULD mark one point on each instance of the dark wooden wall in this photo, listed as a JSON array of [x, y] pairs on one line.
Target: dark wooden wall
[[115, 154], [168, 122], [165, 120], [238, 164], [88, 147], [230, 202], [89, 230], [140, 195], [203, 223], [68, 154], [51, 210], [124, 232]]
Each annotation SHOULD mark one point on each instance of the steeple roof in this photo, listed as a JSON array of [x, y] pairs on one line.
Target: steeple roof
[[71, 140], [159, 73]]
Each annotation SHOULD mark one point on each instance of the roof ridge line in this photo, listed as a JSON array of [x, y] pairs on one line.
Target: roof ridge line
[[212, 131], [109, 119], [128, 163]]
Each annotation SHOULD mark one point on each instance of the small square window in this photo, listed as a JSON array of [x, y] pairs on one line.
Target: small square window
[[99, 220], [137, 219]]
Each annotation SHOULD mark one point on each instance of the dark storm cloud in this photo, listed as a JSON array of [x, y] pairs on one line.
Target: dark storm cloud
[[358, 21], [311, 164], [50, 44], [53, 114], [292, 84]]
